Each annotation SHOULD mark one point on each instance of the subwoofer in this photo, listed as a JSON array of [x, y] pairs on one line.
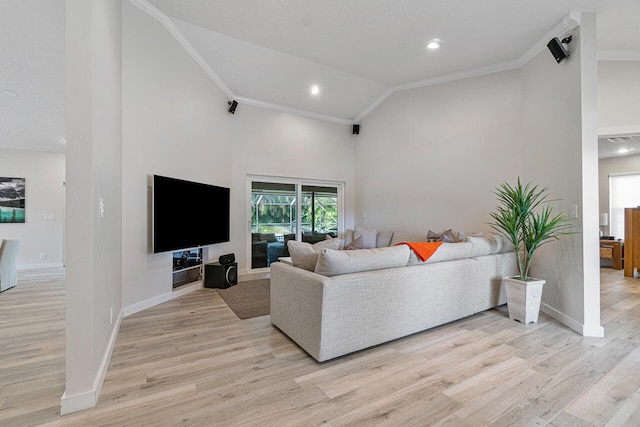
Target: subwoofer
[[220, 276]]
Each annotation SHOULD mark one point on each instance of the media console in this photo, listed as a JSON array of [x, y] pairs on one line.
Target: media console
[[187, 267]]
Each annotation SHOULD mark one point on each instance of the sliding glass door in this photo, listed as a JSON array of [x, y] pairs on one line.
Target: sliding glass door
[[319, 212], [287, 209]]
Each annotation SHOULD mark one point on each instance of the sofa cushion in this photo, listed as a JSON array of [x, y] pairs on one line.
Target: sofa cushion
[[334, 262], [305, 255], [446, 252], [489, 244]]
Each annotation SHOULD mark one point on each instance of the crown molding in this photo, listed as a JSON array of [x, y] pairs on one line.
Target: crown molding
[[562, 28], [613, 131], [505, 66], [373, 106], [290, 110], [154, 12], [568, 23]]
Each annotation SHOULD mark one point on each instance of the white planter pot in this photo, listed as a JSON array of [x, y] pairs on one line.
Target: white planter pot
[[523, 299]]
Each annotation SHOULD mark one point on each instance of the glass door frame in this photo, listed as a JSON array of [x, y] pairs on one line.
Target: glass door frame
[[298, 182]]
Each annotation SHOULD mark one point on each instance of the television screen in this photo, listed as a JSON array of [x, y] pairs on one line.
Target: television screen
[[188, 214]]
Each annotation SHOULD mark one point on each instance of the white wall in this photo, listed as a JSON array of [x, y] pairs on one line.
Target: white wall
[[176, 124], [271, 143], [619, 95], [560, 134], [93, 169], [430, 158], [45, 175]]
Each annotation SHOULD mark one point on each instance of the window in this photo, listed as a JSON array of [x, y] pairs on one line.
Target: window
[[624, 192], [283, 210]]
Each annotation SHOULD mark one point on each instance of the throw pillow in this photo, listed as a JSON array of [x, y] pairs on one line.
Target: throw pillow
[[460, 236], [384, 239], [305, 255], [445, 236], [400, 236], [348, 236], [369, 236], [355, 244]]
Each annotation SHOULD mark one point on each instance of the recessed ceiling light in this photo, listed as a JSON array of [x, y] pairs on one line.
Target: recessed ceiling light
[[315, 90], [9, 93], [63, 140], [434, 44], [624, 150]]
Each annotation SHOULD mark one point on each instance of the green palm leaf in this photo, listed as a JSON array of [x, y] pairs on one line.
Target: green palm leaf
[[525, 217]]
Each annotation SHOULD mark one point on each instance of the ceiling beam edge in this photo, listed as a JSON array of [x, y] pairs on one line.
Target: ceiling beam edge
[[291, 110], [155, 13]]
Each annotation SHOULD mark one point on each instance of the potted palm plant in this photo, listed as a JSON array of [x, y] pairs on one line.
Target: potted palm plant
[[525, 217]]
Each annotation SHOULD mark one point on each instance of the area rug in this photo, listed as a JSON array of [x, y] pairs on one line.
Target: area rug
[[248, 299]]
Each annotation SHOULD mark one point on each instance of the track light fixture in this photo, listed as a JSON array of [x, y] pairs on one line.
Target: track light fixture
[[232, 106]]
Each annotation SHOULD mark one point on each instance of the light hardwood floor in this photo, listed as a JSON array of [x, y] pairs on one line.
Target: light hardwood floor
[[192, 362]]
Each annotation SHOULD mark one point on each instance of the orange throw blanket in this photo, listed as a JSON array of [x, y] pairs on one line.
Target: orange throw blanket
[[423, 250]]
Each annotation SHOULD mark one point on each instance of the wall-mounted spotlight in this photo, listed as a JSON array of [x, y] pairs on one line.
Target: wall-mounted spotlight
[[557, 49], [232, 106]]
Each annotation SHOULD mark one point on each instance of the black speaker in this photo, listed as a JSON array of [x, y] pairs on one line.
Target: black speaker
[[356, 129], [232, 106], [220, 276], [557, 50], [226, 259]]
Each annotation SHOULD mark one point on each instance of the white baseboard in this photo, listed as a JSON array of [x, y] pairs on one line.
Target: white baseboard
[[77, 402], [39, 266], [151, 302], [584, 330], [88, 399]]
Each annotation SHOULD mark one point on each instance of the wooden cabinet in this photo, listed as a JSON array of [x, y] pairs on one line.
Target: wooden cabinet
[[612, 249], [631, 240]]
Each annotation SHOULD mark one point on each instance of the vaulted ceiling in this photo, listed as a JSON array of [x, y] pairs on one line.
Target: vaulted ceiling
[[270, 53]]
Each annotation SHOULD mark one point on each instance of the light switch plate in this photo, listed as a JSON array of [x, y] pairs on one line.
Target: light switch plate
[[574, 211]]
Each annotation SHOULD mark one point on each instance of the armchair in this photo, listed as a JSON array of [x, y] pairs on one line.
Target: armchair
[[8, 254]]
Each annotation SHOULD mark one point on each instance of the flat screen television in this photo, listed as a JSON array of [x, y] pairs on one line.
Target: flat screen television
[[188, 214]]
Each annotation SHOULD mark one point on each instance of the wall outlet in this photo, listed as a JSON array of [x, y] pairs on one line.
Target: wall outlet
[[43, 255]]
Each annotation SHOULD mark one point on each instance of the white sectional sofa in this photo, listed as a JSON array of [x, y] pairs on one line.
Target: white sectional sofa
[[367, 297]]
